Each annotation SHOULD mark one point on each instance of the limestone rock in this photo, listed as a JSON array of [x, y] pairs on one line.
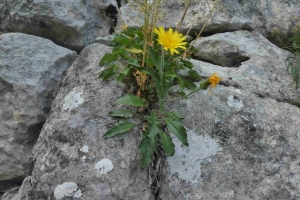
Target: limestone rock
[[16, 192], [70, 23], [250, 62], [72, 158], [264, 16], [244, 139], [31, 71]]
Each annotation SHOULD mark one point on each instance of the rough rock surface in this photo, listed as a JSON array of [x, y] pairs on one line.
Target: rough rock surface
[[31, 71], [70, 23], [16, 192], [72, 160], [265, 16], [250, 62], [244, 139]]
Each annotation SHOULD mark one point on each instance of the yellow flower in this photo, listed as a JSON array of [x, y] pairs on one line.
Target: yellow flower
[[170, 40], [214, 80]]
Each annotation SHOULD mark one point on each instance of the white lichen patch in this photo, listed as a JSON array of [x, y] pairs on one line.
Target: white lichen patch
[[235, 103], [72, 100], [104, 166], [186, 161], [84, 149], [67, 189]]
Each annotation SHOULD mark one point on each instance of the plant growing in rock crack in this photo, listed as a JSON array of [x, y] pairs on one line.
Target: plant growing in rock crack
[[292, 62], [148, 60]]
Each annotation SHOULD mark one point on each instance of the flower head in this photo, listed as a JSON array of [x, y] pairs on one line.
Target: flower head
[[170, 40], [214, 80]]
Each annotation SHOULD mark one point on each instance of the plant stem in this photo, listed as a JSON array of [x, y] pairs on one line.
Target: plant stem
[[145, 30], [161, 74], [183, 15]]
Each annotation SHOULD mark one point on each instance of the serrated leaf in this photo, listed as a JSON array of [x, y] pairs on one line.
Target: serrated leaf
[[107, 73], [131, 100], [134, 50], [121, 113], [175, 126], [189, 84], [167, 144], [193, 74], [118, 129], [146, 152], [153, 129], [187, 63]]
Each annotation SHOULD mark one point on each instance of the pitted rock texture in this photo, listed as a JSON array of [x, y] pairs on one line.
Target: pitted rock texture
[[71, 143], [264, 16], [31, 71], [257, 132], [70, 23]]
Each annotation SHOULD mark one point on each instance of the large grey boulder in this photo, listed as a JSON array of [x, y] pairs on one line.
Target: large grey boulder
[[265, 16], [71, 23], [243, 138], [31, 71], [72, 160]]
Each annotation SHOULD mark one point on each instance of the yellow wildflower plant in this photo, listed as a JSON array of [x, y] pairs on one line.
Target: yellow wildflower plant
[[148, 60], [170, 40]]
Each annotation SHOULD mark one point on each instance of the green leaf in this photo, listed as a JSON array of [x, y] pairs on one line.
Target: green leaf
[[175, 114], [131, 100], [170, 74], [187, 63], [167, 144], [126, 70], [181, 84], [121, 77], [155, 57], [120, 128], [153, 129], [194, 75], [121, 113], [175, 126], [189, 84], [105, 58], [107, 73], [111, 59], [146, 152]]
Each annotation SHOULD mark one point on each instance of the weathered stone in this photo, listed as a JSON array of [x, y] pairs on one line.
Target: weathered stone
[[31, 71], [251, 63], [16, 192], [244, 140], [10, 194], [265, 16], [70, 23], [71, 154]]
